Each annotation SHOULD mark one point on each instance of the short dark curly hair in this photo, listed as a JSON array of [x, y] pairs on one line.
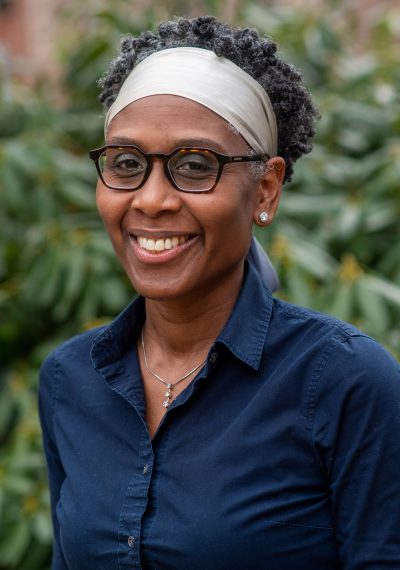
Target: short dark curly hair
[[257, 56]]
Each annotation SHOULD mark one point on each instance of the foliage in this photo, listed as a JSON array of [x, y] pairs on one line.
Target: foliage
[[336, 241]]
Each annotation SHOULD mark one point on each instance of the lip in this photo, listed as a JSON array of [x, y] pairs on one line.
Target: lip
[[158, 234], [151, 257]]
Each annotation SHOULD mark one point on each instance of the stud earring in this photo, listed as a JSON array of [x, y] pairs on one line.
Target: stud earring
[[263, 217]]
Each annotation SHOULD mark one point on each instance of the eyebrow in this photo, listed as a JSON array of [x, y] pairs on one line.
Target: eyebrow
[[190, 142]]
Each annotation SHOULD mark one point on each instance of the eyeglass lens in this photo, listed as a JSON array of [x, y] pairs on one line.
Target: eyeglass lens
[[191, 169]]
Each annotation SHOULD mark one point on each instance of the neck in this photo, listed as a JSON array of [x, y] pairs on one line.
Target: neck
[[189, 326]]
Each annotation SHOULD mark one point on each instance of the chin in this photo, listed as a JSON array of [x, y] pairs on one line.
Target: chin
[[154, 289]]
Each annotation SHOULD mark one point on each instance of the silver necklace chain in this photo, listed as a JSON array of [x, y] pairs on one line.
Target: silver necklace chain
[[170, 385]]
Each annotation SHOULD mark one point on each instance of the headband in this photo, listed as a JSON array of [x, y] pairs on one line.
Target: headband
[[215, 82]]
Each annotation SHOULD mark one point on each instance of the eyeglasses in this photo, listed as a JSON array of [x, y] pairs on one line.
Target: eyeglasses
[[127, 167]]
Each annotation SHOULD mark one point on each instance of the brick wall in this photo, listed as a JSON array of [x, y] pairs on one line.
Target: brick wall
[[28, 29]]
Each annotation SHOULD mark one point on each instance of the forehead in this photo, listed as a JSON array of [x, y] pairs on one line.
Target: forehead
[[164, 120]]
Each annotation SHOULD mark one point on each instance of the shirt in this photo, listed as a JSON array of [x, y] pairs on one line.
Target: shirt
[[282, 453]]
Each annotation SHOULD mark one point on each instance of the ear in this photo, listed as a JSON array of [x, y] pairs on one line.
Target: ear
[[269, 190]]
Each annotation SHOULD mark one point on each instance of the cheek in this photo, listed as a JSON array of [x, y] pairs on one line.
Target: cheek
[[110, 206], [101, 200], [239, 208], [231, 215]]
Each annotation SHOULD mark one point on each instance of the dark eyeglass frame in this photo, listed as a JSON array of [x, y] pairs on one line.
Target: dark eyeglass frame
[[221, 158]]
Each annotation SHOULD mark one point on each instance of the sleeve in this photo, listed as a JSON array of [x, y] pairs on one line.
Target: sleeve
[[356, 433], [48, 383]]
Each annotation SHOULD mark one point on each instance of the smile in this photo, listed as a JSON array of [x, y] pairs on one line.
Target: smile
[[161, 244]]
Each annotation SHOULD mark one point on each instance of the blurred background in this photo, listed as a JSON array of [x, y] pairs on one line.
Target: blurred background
[[335, 243]]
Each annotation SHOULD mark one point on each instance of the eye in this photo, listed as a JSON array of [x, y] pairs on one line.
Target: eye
[[128, 164], [115, 163], [194, 164]]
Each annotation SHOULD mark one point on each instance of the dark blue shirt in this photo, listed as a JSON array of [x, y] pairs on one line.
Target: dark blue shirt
[[282, 454]]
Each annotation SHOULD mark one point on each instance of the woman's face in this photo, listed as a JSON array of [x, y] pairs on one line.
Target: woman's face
[[214, 228]]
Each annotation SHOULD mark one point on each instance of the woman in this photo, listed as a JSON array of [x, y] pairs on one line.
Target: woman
[[211, 426]]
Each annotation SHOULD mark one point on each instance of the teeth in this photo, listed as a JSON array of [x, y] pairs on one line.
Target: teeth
[[160, 244]]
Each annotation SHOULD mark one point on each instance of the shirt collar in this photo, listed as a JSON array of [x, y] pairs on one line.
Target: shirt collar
[[246, 329], [243, 335], [116, 339]]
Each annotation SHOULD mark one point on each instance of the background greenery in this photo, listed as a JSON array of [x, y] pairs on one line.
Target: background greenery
[[335, 242]]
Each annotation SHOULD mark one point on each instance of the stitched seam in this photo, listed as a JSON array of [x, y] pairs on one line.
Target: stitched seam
[[255, 358], [251, 361], [124, 519], [54, 394], [314, 385], [296, 312], [301, 525], [156, 485]]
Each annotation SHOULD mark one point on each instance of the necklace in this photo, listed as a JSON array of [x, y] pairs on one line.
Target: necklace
[[170, 385]]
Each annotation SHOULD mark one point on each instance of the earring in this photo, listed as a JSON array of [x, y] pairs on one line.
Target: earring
[[263, 217]]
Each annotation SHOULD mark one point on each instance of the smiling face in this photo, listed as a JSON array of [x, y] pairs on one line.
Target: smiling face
[[171, 244]]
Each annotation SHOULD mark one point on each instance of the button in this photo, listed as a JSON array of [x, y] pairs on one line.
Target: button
[[213, 357], [145, 469], [131, 541]]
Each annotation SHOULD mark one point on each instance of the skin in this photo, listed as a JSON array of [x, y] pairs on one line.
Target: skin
[[191, 292]]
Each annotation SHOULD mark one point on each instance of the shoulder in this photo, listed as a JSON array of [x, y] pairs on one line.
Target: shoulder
[[75, 349], [337, 349], [322, 327], [352, 383], [75, 361], [308, 318], [70, 359]]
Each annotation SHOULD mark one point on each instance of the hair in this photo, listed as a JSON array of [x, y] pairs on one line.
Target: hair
[[294, 109]]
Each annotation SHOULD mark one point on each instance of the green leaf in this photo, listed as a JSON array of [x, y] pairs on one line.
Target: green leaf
[[75, 274], [298, 287], [383, 288], [42, 527], [13, 546], [341, 306], [372, 309]]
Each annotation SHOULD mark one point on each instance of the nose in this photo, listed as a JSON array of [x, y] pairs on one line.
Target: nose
[[157, 195]]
